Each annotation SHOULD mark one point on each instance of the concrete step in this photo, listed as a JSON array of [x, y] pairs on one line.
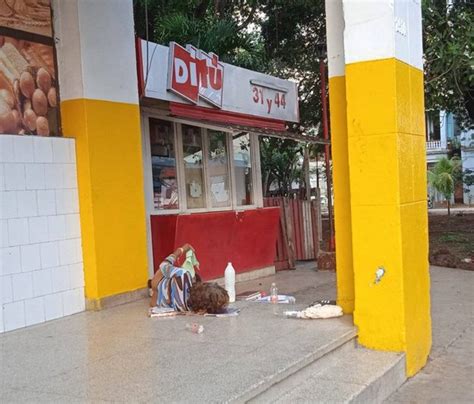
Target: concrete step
[[347, 374]]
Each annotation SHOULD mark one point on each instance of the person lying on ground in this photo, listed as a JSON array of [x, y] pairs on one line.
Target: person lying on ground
[[176, 288]]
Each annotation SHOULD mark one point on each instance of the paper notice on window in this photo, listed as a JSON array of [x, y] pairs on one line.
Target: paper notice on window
[[218, 189]]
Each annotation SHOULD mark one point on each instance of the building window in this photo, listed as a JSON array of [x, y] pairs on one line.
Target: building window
[[193, 167], [243, 169], [163, 162], [198, 169], [218, 169]]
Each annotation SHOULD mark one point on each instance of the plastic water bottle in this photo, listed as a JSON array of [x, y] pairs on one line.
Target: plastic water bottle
[[229, 276], [273, 293]]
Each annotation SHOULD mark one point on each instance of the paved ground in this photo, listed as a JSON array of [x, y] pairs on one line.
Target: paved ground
[[121, 355], [449, 375]]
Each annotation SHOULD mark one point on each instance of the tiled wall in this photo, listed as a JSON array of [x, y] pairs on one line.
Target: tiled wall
[[41, 273]]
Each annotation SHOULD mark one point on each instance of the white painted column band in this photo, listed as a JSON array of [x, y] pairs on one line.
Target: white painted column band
[[95, 42], [335, 38], [381, 29]]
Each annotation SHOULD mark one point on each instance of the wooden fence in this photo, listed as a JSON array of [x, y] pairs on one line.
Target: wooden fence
[[300, 231]]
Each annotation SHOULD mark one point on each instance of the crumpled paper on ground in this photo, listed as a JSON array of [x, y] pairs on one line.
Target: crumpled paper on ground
[[316, 311]]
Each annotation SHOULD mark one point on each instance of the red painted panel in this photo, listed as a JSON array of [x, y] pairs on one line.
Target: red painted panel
[[163, 230], [247, 239], [219, 116]]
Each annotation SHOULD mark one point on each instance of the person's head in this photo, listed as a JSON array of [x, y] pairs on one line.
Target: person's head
[[207, 297]]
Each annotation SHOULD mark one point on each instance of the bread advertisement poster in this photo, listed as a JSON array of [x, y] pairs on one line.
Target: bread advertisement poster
[[28, 79]]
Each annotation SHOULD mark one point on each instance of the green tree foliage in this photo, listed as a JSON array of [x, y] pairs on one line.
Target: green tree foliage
[[294, 33], [448, 36], [213, 26], [444, 176], [280, 163]]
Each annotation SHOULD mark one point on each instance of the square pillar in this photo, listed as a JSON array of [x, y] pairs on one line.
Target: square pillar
[[387, 163], [99, 108], [340, 154]]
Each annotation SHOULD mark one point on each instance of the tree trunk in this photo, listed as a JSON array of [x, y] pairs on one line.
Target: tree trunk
[[449, 207]]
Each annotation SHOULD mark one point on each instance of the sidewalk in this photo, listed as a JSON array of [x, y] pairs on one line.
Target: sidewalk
[[121, 355], [449, 375]]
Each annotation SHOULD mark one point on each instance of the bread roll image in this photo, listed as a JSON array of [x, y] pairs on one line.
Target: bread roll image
[[7, 118], [2, 40], [15, 57], [27, 84], [43, 80], [42, 126], [52, 99], [39, 102], [17, 118], [29, 117], [8, 97]]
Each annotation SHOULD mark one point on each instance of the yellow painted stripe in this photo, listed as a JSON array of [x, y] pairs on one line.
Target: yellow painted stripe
[[111, 193]]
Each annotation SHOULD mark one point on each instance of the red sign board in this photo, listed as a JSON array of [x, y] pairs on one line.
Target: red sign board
[[194, 74]]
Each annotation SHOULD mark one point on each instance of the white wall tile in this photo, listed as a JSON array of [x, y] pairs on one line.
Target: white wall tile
[[27, 205], [23, 149], [8, 205], [61, 153], [53, 306], [7, 289], [76, 275], [49, 254], [70, 251], [73, 301], [30, 257], [43, 150], [4, 233], [72, 150], [34, 175], [14, 315], [46, 202], [73, 226], [17, 231], [67, 201], [14, 176], [2, 177], [60, 279], [34, 311], [53, 176], [22, 286], [57, 227], [1, 320], [70, 176], [10, 260], [6, 149], [42, 284], [38, 227]]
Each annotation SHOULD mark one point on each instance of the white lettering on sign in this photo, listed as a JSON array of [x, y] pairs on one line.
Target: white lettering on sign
[[194, 74], [198, 78]]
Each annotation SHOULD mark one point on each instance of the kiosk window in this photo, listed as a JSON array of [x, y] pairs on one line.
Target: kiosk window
[[163, 161], [243, 169], [193, 167], [218, 169]]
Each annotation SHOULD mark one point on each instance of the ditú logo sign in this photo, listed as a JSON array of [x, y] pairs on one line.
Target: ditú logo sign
[[194, 74]]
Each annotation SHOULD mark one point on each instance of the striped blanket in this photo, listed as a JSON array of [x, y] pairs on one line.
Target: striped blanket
[[173, 289]]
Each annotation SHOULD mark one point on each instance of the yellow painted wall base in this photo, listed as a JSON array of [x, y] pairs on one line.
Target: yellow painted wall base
[[385, 122], [342, 194], [111, 194]]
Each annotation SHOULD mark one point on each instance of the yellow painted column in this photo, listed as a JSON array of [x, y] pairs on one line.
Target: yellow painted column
[[340, 157], [99, 108], [385, 124]]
